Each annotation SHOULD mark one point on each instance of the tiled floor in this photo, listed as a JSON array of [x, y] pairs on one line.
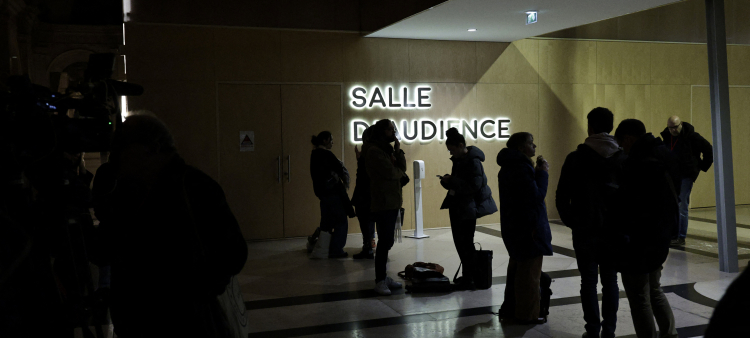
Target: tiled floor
[[289, 295]]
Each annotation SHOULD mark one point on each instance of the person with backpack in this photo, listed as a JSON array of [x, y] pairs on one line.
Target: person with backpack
[[588, 182], [524, 224], [386, 167], [469, 197], [645, 216], [330, 181]]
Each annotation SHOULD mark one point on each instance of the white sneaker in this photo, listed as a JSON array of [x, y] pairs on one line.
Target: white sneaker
[[381, 287], [392, 284]]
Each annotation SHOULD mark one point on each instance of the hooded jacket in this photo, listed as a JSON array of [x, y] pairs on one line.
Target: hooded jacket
[[588, 182], [523, 214], [646, 206], [472, 196], [689, 147], [385, 176]]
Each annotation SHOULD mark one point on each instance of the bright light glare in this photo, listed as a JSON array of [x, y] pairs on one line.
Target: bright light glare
[[472, 29]]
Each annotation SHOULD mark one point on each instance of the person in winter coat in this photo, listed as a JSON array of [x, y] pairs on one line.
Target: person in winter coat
[[361, 199], [524, 223], [680, 137], [386, 167], [645, 214], [469, 197], [330, 181], [585, 193], [171, 239]]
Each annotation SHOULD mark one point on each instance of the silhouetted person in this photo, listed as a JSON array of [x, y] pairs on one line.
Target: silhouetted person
[[386, 166], [524, 225], [330, 182], [361, 199], [730, 316], [469, 197], [645, 214], [585, 193], [688, 145], [173, 241]]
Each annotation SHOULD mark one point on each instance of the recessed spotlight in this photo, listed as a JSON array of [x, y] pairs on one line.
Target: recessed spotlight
[[472, 29]]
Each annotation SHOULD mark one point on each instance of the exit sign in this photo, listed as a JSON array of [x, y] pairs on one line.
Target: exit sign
[[531, 17]]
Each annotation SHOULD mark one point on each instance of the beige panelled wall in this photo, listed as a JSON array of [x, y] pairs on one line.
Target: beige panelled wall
[[544, 86]]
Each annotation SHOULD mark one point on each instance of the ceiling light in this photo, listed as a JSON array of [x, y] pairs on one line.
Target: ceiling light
[[531, 17], [472, 29]]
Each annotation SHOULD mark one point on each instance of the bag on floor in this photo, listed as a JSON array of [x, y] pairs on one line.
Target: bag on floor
[[321, 246], [234, 308], [483, 269], [422, 270], [545, 283]]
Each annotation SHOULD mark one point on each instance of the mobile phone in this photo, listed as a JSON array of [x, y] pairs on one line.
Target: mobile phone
[[395, 131], [438, 176]]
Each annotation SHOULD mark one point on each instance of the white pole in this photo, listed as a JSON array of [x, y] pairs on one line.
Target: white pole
[[418, 223]]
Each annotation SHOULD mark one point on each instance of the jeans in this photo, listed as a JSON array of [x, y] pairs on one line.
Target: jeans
[[522, 293], [463, 238], [333, 219], [367, 226], [385, 221], [647, 300], [685, 188], [591, 270]]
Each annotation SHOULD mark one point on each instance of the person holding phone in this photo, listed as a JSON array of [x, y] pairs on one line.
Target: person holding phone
[[469, 197], [386, 167], [524, 224]]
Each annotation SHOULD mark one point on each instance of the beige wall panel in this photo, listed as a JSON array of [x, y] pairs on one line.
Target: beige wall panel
[[704, 190], [562, 126], [306, 110], [251, 179], [169, 52], [188, 108], [382, 61], [567, 61], [668, 101], [623, 63], [442, 61], [738, 59], [679, 64], [625, 102], [312, 56], [517, 62], [247, 55]]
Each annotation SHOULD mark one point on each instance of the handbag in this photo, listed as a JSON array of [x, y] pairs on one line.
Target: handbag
[[422, 270], [482, 270], [320, 250]]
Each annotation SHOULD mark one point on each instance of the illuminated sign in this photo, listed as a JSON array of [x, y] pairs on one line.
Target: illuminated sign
[[390, 97], [426, 130]]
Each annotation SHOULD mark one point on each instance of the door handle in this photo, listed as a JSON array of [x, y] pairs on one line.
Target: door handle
[[288, 168], [278, 165]]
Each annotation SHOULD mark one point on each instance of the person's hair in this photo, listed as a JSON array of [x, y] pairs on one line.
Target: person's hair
[[601, 120], [517, 140], [630, 127], [454, 138], [366, 135], [378, 130], [322, 137], [143, 127]]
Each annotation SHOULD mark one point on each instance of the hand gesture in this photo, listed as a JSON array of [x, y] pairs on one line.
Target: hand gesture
[[397, 145], [446, 178], [541, 163]]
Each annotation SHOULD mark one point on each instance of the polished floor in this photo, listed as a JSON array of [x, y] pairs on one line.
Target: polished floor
[[290, 295]]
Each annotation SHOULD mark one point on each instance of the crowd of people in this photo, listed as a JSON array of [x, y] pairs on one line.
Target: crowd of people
[[625, 197]]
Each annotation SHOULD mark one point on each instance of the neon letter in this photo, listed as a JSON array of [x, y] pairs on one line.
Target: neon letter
[[377, 96], [358, 97]]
